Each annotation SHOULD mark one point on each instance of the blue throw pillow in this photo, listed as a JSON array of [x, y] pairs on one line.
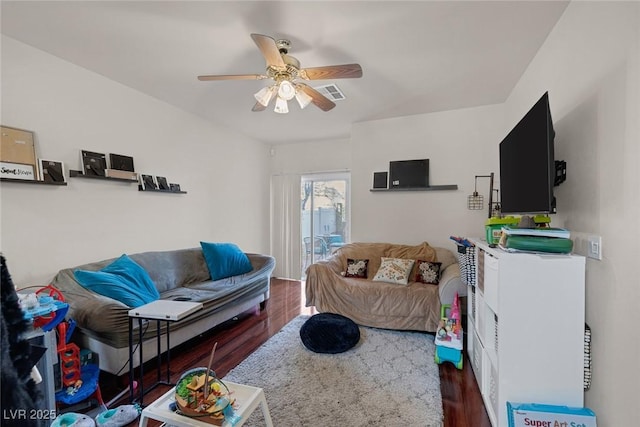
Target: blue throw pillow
[[225, 260], [123, 280]]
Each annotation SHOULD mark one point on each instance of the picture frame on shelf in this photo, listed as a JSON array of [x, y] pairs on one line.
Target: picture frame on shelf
[[17, 147], [147, 182], [162, 183], [174, 187], [93, 164], [52, 170], [22, 171], [121, 162]]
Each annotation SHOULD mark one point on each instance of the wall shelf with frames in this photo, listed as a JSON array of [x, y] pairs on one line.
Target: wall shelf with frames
[[79, 174], [155, 190], [26, 181]]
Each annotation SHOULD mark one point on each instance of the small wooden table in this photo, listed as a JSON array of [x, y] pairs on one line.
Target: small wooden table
[[248, 398]]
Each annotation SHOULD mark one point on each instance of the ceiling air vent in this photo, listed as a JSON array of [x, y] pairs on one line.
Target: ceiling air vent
[[331, 91]]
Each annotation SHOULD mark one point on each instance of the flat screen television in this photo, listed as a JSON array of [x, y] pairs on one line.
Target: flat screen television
[[409, 173], [527, 163]]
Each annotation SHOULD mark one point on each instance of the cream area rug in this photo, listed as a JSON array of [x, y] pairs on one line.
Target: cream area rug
[[388, 379]]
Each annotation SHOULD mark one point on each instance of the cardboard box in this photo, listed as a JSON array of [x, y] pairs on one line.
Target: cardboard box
[[539, 415]]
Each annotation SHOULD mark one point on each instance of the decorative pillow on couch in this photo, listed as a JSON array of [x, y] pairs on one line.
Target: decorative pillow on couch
[[394, 270], [356, 268], [428, 272], [123, 280], [422, 251], [225, 260]]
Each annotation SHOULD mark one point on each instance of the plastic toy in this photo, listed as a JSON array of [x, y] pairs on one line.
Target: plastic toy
[[448, 338], [46, 308]]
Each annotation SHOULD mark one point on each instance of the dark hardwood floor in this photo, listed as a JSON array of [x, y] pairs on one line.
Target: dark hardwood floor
[[237, 338]]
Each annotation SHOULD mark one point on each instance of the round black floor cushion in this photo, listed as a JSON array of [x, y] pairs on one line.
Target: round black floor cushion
[[329, 333]]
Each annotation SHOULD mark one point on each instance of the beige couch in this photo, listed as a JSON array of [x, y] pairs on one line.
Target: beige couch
[[415, 306]]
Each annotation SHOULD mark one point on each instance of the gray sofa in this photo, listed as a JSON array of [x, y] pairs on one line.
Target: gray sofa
[[102, 322]]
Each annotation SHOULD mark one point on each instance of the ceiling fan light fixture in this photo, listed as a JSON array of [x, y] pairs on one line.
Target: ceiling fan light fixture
[[303, 99], [284, 71], [281, 106], [264, 95], [286, 90]]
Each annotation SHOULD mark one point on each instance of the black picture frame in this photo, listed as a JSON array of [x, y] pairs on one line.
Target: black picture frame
[[162, 183], [409, 173], [174, 187], [380, 179], [52, 171], [147, 182], [121, 162], [93, 164]]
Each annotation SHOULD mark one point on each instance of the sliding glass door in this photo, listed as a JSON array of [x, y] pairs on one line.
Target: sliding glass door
[[324, 215]]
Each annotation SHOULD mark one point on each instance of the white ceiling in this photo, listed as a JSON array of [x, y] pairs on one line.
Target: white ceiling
[[417, 56]]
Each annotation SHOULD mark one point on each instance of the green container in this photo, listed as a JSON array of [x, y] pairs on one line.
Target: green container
[[493, 227], [540, 244]]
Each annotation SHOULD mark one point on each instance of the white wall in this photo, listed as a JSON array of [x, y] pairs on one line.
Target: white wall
[[459, 145], [318, 156], [590, 66], [46, 228]]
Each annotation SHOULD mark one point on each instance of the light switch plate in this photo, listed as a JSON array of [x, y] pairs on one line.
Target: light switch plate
[[594, 247]]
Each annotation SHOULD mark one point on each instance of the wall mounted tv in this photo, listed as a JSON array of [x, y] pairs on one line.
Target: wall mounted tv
[[527, 164], [409, 173]]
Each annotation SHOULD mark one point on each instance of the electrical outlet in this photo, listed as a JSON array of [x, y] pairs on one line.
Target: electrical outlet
[[594, 247]]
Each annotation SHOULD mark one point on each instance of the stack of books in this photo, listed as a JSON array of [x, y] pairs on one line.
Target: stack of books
[[542, 239], [540, 232]]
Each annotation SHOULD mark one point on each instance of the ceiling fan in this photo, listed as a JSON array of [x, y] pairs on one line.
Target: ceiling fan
[[286, 73]]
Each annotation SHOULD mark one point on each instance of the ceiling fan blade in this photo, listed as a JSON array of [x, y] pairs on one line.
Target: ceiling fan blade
[[233, 77], [346, 71], [318, 99], [259, 107], [267, 46]]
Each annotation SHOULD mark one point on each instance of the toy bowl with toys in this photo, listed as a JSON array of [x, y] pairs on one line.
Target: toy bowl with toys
[[196, 400]]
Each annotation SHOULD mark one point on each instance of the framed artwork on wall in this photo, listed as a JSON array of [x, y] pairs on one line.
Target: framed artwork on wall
[[162, 183], [147, 182], [120, 162], [52, 171], [93, 163], [18, 148]]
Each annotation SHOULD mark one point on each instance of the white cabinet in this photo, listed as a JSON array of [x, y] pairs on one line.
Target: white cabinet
[[526, 329]]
